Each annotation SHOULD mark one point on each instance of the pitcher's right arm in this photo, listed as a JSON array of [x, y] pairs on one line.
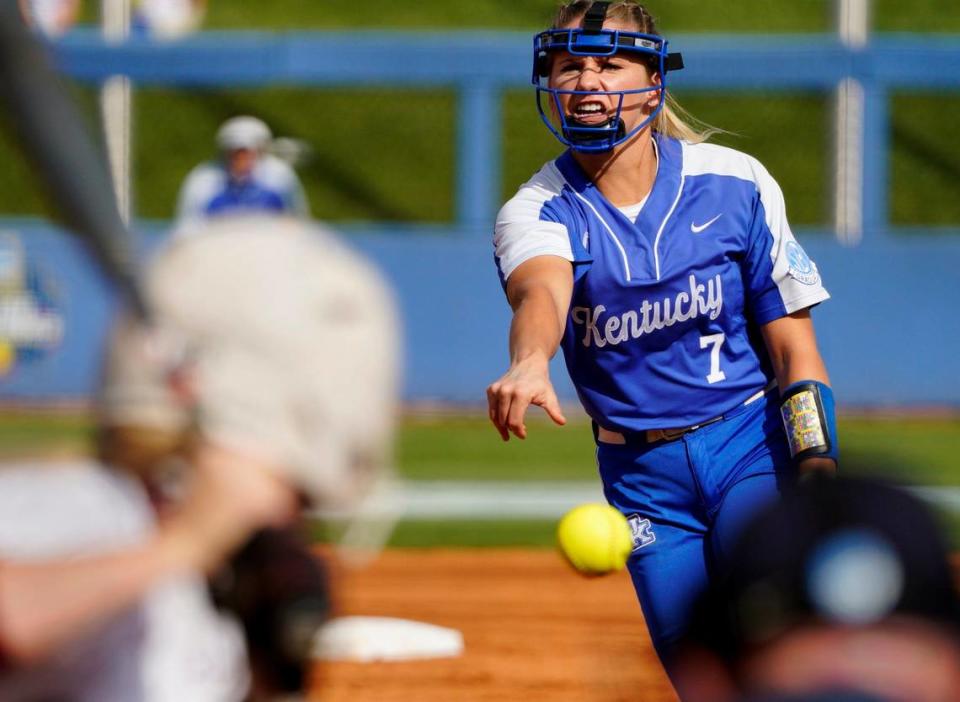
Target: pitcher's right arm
[[539, 291]]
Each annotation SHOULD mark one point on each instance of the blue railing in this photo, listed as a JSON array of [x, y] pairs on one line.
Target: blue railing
[[481, 65]]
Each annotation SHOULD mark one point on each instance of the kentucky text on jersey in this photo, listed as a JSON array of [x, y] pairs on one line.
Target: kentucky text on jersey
[[669, 297], [651, 317]]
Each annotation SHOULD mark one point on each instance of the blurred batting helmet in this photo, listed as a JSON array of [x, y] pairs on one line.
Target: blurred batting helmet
[[291, 346], [243, 132]]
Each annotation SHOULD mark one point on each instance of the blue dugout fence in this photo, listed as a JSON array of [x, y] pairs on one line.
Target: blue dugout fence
[[891, 335]]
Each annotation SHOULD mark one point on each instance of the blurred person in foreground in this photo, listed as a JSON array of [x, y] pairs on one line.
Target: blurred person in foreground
[[843, 594], [265, 380], [245, 179]]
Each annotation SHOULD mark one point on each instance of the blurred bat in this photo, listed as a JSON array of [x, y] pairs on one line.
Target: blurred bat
[[51, 131]]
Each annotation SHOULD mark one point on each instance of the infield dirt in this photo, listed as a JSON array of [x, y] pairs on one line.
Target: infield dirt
[[533, 630]]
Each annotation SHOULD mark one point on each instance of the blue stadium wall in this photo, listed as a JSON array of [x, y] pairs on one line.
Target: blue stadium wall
[[890, 335]]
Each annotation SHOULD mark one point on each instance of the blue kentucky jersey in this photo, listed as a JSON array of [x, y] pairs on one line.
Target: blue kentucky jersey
[[245, 196], [664, 324], [272, 188]]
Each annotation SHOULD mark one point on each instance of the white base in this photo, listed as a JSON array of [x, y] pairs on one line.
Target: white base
[[368, 639]]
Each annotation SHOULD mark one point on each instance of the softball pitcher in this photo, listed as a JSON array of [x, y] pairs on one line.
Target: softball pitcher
[[666, 270]]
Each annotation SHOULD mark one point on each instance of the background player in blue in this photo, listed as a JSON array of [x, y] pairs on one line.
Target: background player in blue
[[667, 271], [246, 179]]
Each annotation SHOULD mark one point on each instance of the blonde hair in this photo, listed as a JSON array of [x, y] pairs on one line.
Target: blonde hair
[[672, 120]]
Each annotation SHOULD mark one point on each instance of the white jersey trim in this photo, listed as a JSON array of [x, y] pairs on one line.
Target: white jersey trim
[[663, 224], [520, 234], [616, 241], [802, 302]]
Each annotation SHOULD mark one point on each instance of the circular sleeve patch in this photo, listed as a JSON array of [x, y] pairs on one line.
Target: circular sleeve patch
[[799, 265]]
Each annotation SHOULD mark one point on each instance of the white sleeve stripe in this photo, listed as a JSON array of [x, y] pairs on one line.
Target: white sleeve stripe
[[712, 159], [775, 217], [804, 301], [521, 234], [539, 241]]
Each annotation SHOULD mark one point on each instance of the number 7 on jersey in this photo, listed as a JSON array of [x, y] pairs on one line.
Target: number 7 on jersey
[[715, 341]]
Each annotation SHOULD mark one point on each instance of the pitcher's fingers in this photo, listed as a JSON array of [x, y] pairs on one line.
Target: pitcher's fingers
[[492, 413], [492, 401], [551, 405], [504, 401], [494, 392], [518, 408]]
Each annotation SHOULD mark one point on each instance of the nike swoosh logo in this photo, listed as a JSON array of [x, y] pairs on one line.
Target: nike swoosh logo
[[696, 229]]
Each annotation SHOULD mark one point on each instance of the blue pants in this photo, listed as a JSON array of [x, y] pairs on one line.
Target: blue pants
[[687, 500]]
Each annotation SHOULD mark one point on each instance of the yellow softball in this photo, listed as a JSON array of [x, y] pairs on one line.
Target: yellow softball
[[595, 539]]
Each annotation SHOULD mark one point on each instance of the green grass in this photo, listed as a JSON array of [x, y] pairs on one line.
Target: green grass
[[916, 16], [511, 532], [903, 450], [375, 155], [465, 447], [343, 185], [25, 435], [675, 15], [913, 451], [422, 533], [748, 16], [921, 452], [21, 191], [468, 448], [922, 161], [757, 123]]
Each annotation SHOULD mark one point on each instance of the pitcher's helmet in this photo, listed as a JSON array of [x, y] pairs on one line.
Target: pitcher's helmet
[[592, 40]]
